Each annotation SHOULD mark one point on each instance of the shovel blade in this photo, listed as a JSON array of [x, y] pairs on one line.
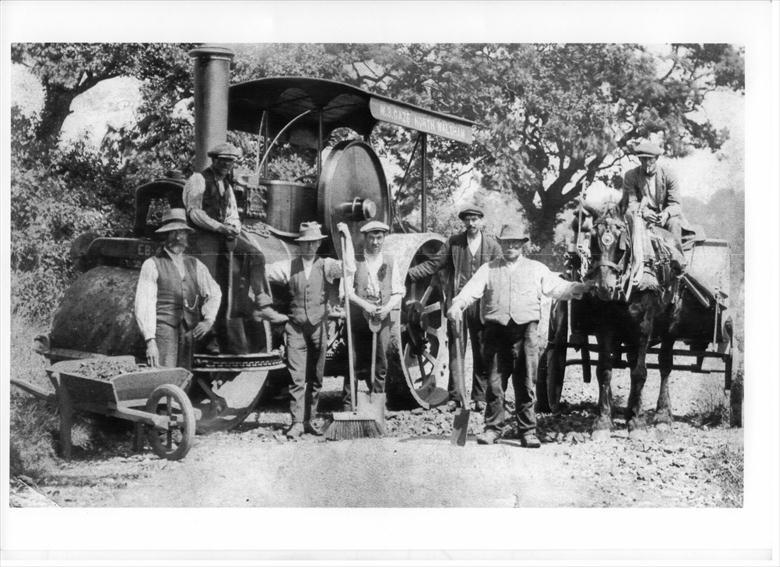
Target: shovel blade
[[460, 427], [372, 406]]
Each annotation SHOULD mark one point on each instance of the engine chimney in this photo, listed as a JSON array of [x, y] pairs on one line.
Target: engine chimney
[[211, 76]]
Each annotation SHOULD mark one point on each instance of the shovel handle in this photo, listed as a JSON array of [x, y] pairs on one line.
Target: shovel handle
[[350, 355]]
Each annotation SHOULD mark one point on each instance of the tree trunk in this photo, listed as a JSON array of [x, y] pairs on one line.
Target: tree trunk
[[56, 109], [543, 235]]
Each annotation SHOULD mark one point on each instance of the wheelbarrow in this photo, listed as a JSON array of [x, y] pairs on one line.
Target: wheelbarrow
[[152, 398]]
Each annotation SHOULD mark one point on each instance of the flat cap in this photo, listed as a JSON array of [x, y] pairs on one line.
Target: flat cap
[[373, 226], [471, 211], [224, 150], [646, 149], [513, 232]]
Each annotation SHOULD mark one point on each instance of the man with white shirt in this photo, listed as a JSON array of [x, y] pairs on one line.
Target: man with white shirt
[[311, 282], [377, 290], [460, 257], [211, 207], [174, 291], [511, 289]]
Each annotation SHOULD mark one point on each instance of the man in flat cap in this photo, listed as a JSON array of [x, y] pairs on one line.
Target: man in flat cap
[[310, 280], [176, 300], [652, 191], [377, 290], [459, 259], [211, 207], [511, 288]]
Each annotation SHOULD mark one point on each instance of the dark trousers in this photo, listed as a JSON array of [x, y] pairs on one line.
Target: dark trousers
[[517, 343], [674, 225], [174, 344], [362, 337], [210, 249], [472, 326], [306, 348]]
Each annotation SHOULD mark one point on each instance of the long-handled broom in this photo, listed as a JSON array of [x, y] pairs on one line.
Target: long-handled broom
[[351, 424]]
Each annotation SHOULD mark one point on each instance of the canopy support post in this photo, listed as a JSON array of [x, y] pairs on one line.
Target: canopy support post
[[423, 168], [319, 144]]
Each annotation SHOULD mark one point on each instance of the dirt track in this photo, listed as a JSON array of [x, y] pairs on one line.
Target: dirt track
[[695, 465]]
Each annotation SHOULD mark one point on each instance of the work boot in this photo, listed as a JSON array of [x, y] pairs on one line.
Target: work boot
[[480, 405], [295, 431], [530, 440], [489, 437], [269, 314], [451, 406]]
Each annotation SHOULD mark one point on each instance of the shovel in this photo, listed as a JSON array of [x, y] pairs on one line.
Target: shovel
[[460, 423], [373, 403], [234, 326]]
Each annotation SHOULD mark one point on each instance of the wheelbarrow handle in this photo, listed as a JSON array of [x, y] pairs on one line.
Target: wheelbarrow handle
[[36, 391]]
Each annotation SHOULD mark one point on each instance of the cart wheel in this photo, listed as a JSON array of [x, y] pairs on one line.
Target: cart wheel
[[171, 401], [552, 364]]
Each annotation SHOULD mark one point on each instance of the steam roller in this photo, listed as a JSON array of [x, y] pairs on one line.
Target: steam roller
[[95, 316]]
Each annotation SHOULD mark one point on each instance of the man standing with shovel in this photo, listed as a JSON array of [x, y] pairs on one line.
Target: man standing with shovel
[[511, 289], [377, 290]]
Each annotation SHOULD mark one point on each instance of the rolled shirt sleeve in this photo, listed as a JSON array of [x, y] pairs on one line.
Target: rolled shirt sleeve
[[474, 288], [192, 196], [555, 287], [210, 291], [146, 300]]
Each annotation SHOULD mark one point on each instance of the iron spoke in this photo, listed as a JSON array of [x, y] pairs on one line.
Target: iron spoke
[[436, 306]]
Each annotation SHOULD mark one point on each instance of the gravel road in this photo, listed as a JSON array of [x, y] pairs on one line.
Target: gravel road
[[699, 463]]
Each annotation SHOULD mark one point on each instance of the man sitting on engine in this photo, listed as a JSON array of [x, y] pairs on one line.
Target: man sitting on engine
[[211, 206]]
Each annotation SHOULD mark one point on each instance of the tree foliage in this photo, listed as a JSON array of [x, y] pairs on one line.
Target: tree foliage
[[552, 118]]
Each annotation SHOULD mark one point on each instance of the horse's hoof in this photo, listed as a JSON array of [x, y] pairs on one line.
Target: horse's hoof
[[598, 435]]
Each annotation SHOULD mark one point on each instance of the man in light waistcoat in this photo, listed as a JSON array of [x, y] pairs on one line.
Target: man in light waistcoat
[[174, 291], [511, 289], [460, 258], [377, 291], [311, 282]]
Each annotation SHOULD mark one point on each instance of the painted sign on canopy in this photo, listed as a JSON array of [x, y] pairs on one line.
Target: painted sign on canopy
[[422, 121]]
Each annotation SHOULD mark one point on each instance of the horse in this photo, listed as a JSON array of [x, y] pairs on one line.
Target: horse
[[636, 303]]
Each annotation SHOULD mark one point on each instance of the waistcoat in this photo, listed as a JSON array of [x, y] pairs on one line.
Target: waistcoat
[[177, 296], [214, 204], [512, 295], [309, 297], [384, 275]]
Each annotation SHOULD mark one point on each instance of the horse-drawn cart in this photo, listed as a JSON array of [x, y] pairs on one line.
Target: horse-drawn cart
[[153, 398], [707, 331]]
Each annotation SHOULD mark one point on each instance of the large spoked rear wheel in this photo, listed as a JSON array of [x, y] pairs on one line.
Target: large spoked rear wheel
[[170, 401], [417, 356], [552, 363]]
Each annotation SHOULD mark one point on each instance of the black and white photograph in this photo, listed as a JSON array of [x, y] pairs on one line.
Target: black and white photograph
[[347, 283]]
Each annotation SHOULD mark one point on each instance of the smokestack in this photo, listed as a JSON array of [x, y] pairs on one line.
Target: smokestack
[[211, 77]]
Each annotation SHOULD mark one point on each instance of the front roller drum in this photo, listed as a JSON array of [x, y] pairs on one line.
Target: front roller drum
[[173, 443]]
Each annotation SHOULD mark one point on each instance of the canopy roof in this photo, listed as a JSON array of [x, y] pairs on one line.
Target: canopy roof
[[340, 104]]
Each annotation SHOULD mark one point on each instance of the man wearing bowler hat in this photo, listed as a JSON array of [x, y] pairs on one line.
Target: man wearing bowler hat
[[652, 191], [310, 281], [459, 258], [511, 288], [176, 300], [211, 207], [377, 290]]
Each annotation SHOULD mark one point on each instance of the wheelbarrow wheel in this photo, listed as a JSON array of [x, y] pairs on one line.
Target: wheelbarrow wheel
[[175, 442]]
